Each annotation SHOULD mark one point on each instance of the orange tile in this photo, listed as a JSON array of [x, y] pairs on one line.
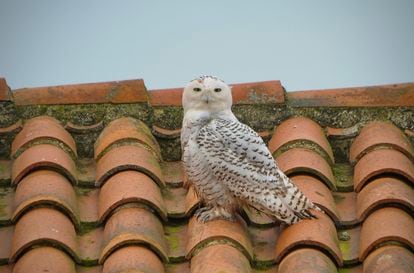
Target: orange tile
[[45, 259], [43, 156], [307, 260], [202, 234], [383, 161], [299, 129], [133, 259], [90, 246], [371, 96], [128, 91], [88, 205], [14, 128], [258, 92], [319, 233], [133, 225], [380, 133], [125, 129], [264, 243], [44, 226], [318, 192], [177, 237], [128, 158], [5, 93], [386, 225], [385, 191], [346, 208], [166, 133], [44, 187], [389, 259], [342, 133], [6, 235], [5, 269], [166, 97], [173, 173], [220, 258], [84, 129], [349, 244], [175, 201], [299, 160], [42, 127], [130, 187]]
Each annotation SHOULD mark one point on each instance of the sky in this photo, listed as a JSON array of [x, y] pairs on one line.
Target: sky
[[305, 44]]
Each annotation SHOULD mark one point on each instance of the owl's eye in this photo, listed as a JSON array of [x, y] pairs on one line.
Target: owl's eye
[[196, 89], [217, 90]]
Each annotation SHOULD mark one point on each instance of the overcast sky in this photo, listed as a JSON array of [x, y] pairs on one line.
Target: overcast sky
[[304, 44]]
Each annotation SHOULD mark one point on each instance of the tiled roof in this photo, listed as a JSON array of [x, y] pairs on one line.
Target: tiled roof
[[90, 181]]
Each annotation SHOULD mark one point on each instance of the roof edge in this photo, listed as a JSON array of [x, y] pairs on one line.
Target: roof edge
[[391, 95], [127, 91]]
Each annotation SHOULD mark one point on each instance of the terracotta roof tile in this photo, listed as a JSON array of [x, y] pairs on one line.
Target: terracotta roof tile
[[218, 232], [386, 225], [264, 243], [220, 258], [319, 233], [42, 188], [108, 194], [123, 130], [133, 259], [385, 191], [300, 160], [380, 134], [43, 156], [346, 207], [307, 260], [389, 259], [384, 161], [128, 157], [5, 93], [302, 132], [318, 192], [6, 235], [42, 128], [374, 96], [44, 226], [133, 225], [129, 187], [349, 244], [128, 91], [45, 259]]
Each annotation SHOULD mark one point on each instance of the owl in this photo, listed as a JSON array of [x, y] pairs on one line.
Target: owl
[[228, 163]]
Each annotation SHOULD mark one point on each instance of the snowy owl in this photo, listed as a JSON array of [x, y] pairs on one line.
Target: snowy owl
[[228, 163]]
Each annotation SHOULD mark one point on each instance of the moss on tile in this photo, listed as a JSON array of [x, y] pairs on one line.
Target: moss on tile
[[260, 116], [4, 192], [8, 114], [169, 117], [343, 176]]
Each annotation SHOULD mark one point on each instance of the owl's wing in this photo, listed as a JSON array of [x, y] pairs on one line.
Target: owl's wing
[[239, 158], [234, 149]]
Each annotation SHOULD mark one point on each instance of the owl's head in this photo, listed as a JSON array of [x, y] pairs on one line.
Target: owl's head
[[207, 93]]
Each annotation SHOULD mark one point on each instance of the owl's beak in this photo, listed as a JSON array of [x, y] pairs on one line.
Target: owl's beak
[[205, 98]]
